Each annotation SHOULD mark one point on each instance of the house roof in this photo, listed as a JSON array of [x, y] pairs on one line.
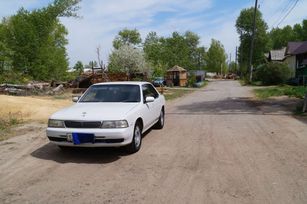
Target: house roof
[[278, 55], [295, 48], [267, 55], [198, 72], [176, 68]]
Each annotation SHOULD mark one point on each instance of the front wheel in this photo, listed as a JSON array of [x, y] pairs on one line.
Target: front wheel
[[136, 143], [160, 123]]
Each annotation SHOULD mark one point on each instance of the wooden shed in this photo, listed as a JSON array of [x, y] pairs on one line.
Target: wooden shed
[[177, 76]]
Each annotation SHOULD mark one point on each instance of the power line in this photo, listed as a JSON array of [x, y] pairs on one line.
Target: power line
[[287, 13], [288, 5]]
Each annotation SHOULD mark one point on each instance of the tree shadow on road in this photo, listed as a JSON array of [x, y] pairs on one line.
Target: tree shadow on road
[[236, 106]]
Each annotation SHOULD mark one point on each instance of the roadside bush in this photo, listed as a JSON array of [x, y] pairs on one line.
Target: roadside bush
[[12, 77], [191, 80], [273, 73]]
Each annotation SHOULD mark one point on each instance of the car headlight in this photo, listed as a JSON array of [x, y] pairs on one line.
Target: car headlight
[[56, 123], [114, 124]]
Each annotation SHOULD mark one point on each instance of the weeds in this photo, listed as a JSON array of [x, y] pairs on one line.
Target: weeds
[[8, 121], [291, 91]]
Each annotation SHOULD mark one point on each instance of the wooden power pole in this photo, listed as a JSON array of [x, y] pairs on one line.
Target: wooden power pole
[[252, 44]]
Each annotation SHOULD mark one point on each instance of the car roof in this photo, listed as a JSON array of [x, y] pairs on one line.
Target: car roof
[[123, 83]]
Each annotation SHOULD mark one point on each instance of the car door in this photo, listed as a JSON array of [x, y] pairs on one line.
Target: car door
[[149, 108], [156, 104]]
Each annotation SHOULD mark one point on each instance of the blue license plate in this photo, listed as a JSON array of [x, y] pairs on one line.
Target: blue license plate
[[79, 138]]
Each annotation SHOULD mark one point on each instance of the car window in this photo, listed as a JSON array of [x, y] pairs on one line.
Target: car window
[[149, 90], [112, 93]]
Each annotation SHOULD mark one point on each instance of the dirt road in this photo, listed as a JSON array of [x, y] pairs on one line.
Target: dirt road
[[216, 147]]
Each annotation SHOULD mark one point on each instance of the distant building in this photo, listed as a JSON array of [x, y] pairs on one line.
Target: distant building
[[295, 55], [297, 58], [199, 75], [177, 76], [277, 55]]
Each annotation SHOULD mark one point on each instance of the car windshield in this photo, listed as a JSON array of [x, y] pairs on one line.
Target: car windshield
[[112, 93]]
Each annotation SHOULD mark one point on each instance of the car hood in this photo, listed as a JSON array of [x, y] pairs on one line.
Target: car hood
[[95, 111]]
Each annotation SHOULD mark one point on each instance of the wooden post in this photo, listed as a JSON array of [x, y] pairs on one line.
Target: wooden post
[[305, 103]]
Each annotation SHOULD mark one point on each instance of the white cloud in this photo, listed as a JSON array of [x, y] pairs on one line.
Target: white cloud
[[102, 19]]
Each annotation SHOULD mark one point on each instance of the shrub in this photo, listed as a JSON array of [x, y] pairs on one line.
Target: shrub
[[191, 80], [12, 77], [273, 73]]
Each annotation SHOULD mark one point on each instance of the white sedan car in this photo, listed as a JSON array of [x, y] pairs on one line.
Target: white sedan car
[[109, 114]]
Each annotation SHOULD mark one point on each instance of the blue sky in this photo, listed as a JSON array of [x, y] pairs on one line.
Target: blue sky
[[102, 19]]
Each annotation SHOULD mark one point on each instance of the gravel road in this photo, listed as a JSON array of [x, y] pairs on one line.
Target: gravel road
[[217, 147]]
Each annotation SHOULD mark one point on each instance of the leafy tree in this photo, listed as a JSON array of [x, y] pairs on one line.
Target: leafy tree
[[195, 52], [91, 64], [281, 36], [128, 59], [216, 57], [36, 40], [153, 49], [5, 52], [244, 25], [79, 67], [183, 50], [127, 37], [176, 51], [233, 67]]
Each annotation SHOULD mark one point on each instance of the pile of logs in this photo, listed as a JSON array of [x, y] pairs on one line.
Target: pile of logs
[[29, 89]]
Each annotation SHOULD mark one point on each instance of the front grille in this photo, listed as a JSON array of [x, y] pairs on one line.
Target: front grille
[[57, 139], [82, 124]]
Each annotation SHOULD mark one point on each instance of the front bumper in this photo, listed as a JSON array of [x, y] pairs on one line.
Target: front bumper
[[103, 137]]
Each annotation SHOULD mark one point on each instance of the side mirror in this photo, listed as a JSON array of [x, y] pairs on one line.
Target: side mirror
[[75, 99], [149, 99]]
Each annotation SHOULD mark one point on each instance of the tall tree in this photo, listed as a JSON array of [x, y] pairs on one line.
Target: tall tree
[[37, 40], [127, 37], [128, 59], [244, 25], [195, 52], [216, 57], [281, 36], [79, 67]]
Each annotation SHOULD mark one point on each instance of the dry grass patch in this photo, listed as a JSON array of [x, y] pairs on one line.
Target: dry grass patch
[[15, 110]]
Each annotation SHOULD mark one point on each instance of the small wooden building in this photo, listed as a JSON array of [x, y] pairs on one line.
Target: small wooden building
[[177, 76]]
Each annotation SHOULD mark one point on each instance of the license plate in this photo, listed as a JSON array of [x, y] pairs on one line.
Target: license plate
[[79, 138]]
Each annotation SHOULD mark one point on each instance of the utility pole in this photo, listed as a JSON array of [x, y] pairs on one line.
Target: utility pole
[[252, 44], [236, 59]]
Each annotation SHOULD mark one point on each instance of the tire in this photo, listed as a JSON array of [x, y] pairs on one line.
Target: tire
[[136, 143], [160, 123]]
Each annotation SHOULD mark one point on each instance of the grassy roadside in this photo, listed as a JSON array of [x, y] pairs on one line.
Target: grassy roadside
[[171, 94], [8, 121], [15, 110], [285, 90]]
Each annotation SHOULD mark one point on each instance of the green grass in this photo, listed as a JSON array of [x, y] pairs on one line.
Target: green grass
[[253, 83], [176, 93], [291, 91], [8, 121]]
